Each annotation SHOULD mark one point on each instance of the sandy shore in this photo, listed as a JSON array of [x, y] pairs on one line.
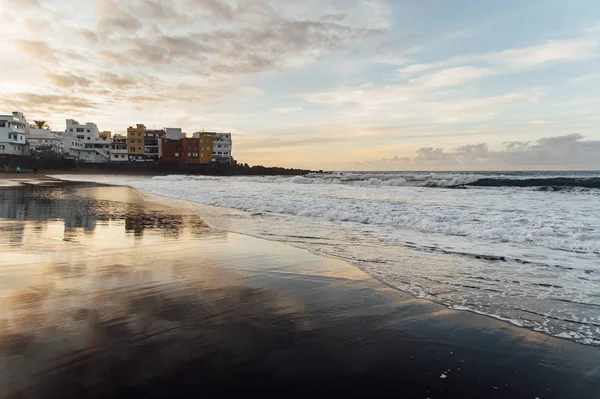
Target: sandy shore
[[106, 295]]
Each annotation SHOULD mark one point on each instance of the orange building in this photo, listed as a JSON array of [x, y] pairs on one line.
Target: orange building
[[135, 142]]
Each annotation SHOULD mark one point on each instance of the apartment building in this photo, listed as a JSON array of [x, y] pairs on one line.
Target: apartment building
[[118, 149], [44, 141], [135, 143], [84, 142], [196, 150], [222, 148], [13, 137], [152, 138]]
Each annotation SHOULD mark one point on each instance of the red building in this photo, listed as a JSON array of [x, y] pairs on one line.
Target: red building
[[187, 150]]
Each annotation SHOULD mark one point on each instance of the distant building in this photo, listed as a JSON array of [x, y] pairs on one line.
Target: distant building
[[83, 141], [86, 131], [222, 148], [197, 150], [174, 133], [106, 134], [72, 146], [135, 142], [118, 149], [13, 138], [151, 144], [44, 141]]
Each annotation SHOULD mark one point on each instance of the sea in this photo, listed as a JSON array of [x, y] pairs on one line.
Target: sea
[[523, 247]]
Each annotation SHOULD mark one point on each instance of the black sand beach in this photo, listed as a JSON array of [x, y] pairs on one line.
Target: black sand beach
[[105, 295]]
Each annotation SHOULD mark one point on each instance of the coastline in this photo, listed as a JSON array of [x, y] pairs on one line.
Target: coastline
[[254, 224], [215, 216], [373, 338]]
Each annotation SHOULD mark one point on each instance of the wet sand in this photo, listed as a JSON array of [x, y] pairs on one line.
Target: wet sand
[[13, 179], [105, 295]]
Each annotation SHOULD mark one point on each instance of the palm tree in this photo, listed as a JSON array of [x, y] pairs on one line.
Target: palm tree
[[41, 124]]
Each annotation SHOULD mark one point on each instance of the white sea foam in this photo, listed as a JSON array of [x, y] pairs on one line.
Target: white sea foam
[[528, 257]]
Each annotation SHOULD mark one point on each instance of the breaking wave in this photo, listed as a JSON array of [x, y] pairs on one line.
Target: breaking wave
[[433, 180]]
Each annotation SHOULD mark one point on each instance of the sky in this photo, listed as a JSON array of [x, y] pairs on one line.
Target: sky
[[321, 84]]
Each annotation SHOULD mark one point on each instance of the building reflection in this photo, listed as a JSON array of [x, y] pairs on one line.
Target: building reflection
[[39, 205]]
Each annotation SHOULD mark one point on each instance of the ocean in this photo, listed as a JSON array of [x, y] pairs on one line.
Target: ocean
[[518, 246]]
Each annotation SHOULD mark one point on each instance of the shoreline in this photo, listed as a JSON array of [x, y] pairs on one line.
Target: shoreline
[[201, 209], [276, 315]]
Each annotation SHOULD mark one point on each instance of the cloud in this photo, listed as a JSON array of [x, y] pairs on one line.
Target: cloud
[[287, 110], [519, 59], [419, 101], [24, 3], [245, 50], [586, 78], [114, 80], [37, 49], [219, 41], [213, 36], [552, 51], [113, 19], [570, 151], [45, 54], [37, 103], [68, 80], [451, 77]]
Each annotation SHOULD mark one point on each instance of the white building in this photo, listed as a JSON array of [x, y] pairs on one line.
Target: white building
[[118, 149], [72, 146], [83, 141], [13, 137], [44, 140], [84, 132], [222, 146]]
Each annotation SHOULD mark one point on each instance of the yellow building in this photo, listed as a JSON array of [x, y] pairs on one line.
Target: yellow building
[[135, 142], [206, 148], [106, 134]]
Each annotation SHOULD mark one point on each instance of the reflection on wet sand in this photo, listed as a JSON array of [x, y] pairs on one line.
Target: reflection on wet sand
[[104, 295]]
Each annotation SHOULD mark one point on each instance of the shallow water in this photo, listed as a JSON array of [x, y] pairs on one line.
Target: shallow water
[[516, 253]]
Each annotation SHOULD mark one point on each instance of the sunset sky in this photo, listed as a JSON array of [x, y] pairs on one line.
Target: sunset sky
[[331, 84]]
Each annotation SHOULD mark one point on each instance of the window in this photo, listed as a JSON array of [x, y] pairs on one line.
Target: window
[[89, 138], [3, 124], [122, 156], [207, 148], [219, 153], [189, 154], [139, 148], [79, 130], [88, 130], [71, 130], [202, 155], [219, 145], [1, 147], [176, 154]]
